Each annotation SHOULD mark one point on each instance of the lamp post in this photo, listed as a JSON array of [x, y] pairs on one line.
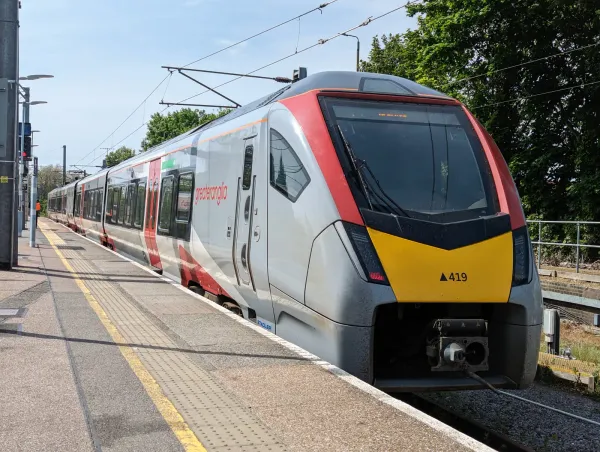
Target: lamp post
[[357, 49], [26, 103]]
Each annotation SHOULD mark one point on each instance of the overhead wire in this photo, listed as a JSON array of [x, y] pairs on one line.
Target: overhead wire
[[125, 120], [318, 8], [580, 85], [566, 52], [318, 43]]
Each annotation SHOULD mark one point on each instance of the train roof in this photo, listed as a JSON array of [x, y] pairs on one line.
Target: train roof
[[332, 80], [64, 187], [366, 82]]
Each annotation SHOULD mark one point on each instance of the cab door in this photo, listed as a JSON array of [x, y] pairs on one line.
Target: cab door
[[249, 234], [152, 213]]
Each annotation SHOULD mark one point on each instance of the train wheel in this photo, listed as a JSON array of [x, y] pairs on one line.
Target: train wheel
[[233, 308]]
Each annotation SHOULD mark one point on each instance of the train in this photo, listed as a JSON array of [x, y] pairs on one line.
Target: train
[[364, 217]]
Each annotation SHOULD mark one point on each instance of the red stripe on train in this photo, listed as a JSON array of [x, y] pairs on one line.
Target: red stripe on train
[[306, 110], [191, 270]]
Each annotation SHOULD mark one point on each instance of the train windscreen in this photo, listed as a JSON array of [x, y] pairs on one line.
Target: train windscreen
[[421, 161]]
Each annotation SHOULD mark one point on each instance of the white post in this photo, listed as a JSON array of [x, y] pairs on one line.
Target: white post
[[33, 212]]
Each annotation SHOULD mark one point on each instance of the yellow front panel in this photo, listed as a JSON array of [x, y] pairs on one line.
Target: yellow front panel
[[481, 272]]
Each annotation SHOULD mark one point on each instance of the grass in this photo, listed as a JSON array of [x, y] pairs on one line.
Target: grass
[[585, 347]]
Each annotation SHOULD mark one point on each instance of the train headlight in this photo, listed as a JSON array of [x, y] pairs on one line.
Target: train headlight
[[361, 242], [521, 257]]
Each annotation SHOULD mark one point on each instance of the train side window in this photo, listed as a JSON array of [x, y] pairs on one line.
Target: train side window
[[247, 172], [166, 206], [139, 205], [288, 175], [184, 197]]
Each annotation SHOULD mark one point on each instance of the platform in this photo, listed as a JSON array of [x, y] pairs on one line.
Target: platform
[[113, 357]]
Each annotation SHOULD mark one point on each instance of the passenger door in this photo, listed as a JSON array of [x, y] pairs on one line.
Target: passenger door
[[249, 232], [152, 213], [244, 219]]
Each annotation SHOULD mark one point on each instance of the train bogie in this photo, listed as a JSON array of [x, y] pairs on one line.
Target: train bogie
[[364, 217]]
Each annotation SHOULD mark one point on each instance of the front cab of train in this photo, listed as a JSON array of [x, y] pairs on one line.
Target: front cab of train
[[443, 228]]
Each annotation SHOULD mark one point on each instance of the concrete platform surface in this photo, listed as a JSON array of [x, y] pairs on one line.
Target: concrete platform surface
[[113, 357]]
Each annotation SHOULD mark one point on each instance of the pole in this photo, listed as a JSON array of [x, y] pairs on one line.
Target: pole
[[357, 49], [9, 94], [24, 119], [33, 203], [64, 165]]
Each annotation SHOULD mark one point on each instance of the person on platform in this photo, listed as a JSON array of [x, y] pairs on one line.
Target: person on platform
[[38, 210]]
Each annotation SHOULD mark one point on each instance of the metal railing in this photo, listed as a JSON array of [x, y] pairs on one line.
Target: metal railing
[[578, 245]]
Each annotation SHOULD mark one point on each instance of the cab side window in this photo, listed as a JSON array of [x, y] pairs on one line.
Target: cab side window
[[287, 174]]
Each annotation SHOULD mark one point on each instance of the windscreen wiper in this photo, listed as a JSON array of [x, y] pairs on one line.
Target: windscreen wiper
[[355, 169], [387, 200]]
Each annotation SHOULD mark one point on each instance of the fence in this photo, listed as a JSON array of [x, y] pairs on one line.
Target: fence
[[578, 245]]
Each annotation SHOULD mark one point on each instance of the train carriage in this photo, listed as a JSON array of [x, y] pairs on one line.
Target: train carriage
[[364, 217]]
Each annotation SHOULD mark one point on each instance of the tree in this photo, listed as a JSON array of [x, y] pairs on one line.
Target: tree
[[162, 128], [551, 140], [119, 155], [49, 178]]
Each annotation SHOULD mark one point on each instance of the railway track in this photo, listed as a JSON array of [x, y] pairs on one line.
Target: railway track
[[464, 425]]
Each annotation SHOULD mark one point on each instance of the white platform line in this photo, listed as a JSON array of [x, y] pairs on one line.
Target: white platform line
[[452, 433]]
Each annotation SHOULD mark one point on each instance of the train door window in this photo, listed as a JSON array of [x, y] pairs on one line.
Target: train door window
[[87, 204], [151, 205], [288, 175], [77, 204], [140, 203], [115, 204], [129, 204], [109, 201], [184, 205], [96, 203], [90, 204], [247, 173], [99, 204], [122, 204], [166, 206]]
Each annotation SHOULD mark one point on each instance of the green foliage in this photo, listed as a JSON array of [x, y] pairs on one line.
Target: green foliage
[[49, 178], [119, 155], [44, 206], [162, 128], [551, 141]]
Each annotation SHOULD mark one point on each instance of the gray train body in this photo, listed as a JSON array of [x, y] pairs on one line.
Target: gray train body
[[271, 211]]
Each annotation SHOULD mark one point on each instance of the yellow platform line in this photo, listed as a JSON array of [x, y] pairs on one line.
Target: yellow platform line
[[184, 434]]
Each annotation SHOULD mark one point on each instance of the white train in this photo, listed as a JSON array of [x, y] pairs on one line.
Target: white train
[[364, 217]]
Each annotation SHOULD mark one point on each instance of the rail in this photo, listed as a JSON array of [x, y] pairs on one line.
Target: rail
[[578, 245]]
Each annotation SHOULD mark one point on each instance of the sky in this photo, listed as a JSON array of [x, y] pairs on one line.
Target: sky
[[106, 57]]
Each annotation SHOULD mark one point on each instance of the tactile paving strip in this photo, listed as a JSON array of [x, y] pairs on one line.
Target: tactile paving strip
[[217, 418]]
